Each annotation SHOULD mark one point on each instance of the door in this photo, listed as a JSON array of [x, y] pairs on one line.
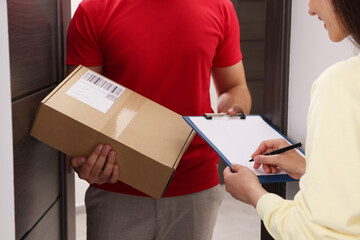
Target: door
[[36, 47]]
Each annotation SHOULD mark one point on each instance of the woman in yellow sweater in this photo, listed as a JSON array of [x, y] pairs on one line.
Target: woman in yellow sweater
[[328, 203]]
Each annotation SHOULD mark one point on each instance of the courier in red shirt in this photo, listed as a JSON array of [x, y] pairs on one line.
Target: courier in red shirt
[[165, 51]]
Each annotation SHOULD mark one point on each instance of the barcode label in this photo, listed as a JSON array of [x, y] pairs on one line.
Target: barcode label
[[103, 83], [96, 91]]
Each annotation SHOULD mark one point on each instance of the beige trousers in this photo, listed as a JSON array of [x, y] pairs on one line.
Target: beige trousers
[[114, 216]]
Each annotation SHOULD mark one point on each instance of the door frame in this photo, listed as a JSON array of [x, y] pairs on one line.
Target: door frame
[[68, 218], [276, 76]]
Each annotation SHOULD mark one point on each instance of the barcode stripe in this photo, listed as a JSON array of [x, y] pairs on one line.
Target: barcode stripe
[[103, 83]]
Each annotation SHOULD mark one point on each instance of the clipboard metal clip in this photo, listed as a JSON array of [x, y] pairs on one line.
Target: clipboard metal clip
[[210, 116]]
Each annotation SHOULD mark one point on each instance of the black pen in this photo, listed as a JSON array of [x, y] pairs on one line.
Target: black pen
[[281, 150]]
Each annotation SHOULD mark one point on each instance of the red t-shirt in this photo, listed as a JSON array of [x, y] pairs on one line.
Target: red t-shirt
[[163, 50]]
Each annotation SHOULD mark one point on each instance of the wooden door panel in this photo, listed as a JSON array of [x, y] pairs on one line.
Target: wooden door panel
[[253, 59], [48, 228], [251, 16], [36, 167], [33, 43], [256, 88]]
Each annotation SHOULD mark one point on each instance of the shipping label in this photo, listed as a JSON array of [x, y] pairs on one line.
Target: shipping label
[[96, 91]]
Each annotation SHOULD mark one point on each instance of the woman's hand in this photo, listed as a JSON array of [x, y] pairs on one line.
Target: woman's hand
[[243, 185], [291, 162], [99, 167]]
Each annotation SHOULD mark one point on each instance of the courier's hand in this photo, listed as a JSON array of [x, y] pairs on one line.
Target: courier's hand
[[234, 109], [243, 185], [99, 167], [292, 162]]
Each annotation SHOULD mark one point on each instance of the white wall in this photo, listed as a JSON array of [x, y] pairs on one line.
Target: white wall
[[311, 52], [7, 216], [74, 5]]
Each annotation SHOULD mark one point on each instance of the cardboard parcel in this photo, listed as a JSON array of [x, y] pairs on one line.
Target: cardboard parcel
[[87, 109]]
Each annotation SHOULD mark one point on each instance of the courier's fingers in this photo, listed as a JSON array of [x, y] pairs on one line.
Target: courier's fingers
[[77, 162], [95, 154], [108, 168], [100, 161], [235, 109], [115, 174]]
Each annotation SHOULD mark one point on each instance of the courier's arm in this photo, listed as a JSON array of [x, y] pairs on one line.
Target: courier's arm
[[231, 87]]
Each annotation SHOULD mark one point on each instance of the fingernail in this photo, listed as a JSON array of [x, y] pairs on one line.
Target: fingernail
[[81, 160], [107, 148]]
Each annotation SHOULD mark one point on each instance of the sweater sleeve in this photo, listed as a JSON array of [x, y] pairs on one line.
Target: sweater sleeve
[[282, 218], [327, 205]]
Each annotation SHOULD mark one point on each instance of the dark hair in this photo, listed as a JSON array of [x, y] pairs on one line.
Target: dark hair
[[348, 12]]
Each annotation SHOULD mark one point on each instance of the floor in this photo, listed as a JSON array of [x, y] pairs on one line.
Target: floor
[[236, 221]]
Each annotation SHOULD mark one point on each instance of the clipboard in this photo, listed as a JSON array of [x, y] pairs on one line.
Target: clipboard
[[235, 139]]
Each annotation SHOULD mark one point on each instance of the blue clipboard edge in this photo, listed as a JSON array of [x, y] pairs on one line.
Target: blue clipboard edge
[[262, 178]]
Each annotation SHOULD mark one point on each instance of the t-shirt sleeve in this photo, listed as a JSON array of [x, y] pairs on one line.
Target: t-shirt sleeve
[[228, 52], [83, 40]]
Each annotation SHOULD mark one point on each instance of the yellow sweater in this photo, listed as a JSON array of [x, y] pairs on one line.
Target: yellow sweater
[[328, 203]]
